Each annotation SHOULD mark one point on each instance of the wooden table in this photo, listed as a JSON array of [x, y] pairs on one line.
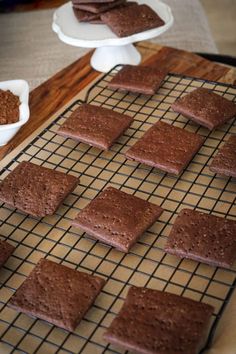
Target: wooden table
[[53, 94]]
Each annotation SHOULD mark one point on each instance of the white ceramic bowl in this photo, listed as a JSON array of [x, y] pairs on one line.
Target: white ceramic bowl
[[19, 88]]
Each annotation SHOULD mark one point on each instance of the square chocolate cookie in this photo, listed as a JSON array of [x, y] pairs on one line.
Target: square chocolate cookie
[[166, 147], [57, 294], [151, 321], [6, 249], [76, 2], [98, 8], [140, 79], [36, 190], [205, 107], [85, 16], [204, 238], [224, 162], [96, 126], [117, 218], [129, 20]]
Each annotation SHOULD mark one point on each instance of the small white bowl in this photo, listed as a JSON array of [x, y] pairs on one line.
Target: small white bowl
[[20, 88]]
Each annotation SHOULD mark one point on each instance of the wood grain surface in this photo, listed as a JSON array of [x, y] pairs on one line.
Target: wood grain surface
[[53, 94]]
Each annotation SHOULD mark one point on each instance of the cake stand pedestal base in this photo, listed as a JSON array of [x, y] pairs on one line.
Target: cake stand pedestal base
[[105, 58]]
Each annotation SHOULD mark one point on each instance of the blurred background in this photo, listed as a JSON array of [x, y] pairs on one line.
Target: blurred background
[[220, 14], [29, 48]]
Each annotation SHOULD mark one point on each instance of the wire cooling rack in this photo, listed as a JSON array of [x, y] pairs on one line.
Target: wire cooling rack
[[146, 265]]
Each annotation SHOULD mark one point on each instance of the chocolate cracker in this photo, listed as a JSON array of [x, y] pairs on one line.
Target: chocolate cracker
[[151, 321], [85, 16], [166, 147], [76, 2], [204, 238], [57, 294], [127, 20], [6, 249], [97, 22], [36, 190], [98, 8], [224, 162], [140, 79], [96, 126], [205, 107], [117, 218]]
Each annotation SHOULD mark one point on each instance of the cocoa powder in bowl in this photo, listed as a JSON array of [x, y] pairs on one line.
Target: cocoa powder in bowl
[[9, 107]]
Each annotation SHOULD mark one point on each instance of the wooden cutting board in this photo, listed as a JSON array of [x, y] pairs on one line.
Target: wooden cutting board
[[53, 94]]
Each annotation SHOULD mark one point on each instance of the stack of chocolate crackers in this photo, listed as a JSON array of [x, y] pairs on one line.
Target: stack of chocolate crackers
[[91, 10], [123, 17]]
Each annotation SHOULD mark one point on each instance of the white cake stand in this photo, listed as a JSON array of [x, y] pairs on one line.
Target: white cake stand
[[111, 50]]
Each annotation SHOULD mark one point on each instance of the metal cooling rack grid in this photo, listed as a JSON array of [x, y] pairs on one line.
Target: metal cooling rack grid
[[146, 264]]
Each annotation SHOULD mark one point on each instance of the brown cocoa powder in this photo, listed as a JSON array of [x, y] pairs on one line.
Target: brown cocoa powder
[[9, 107]]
